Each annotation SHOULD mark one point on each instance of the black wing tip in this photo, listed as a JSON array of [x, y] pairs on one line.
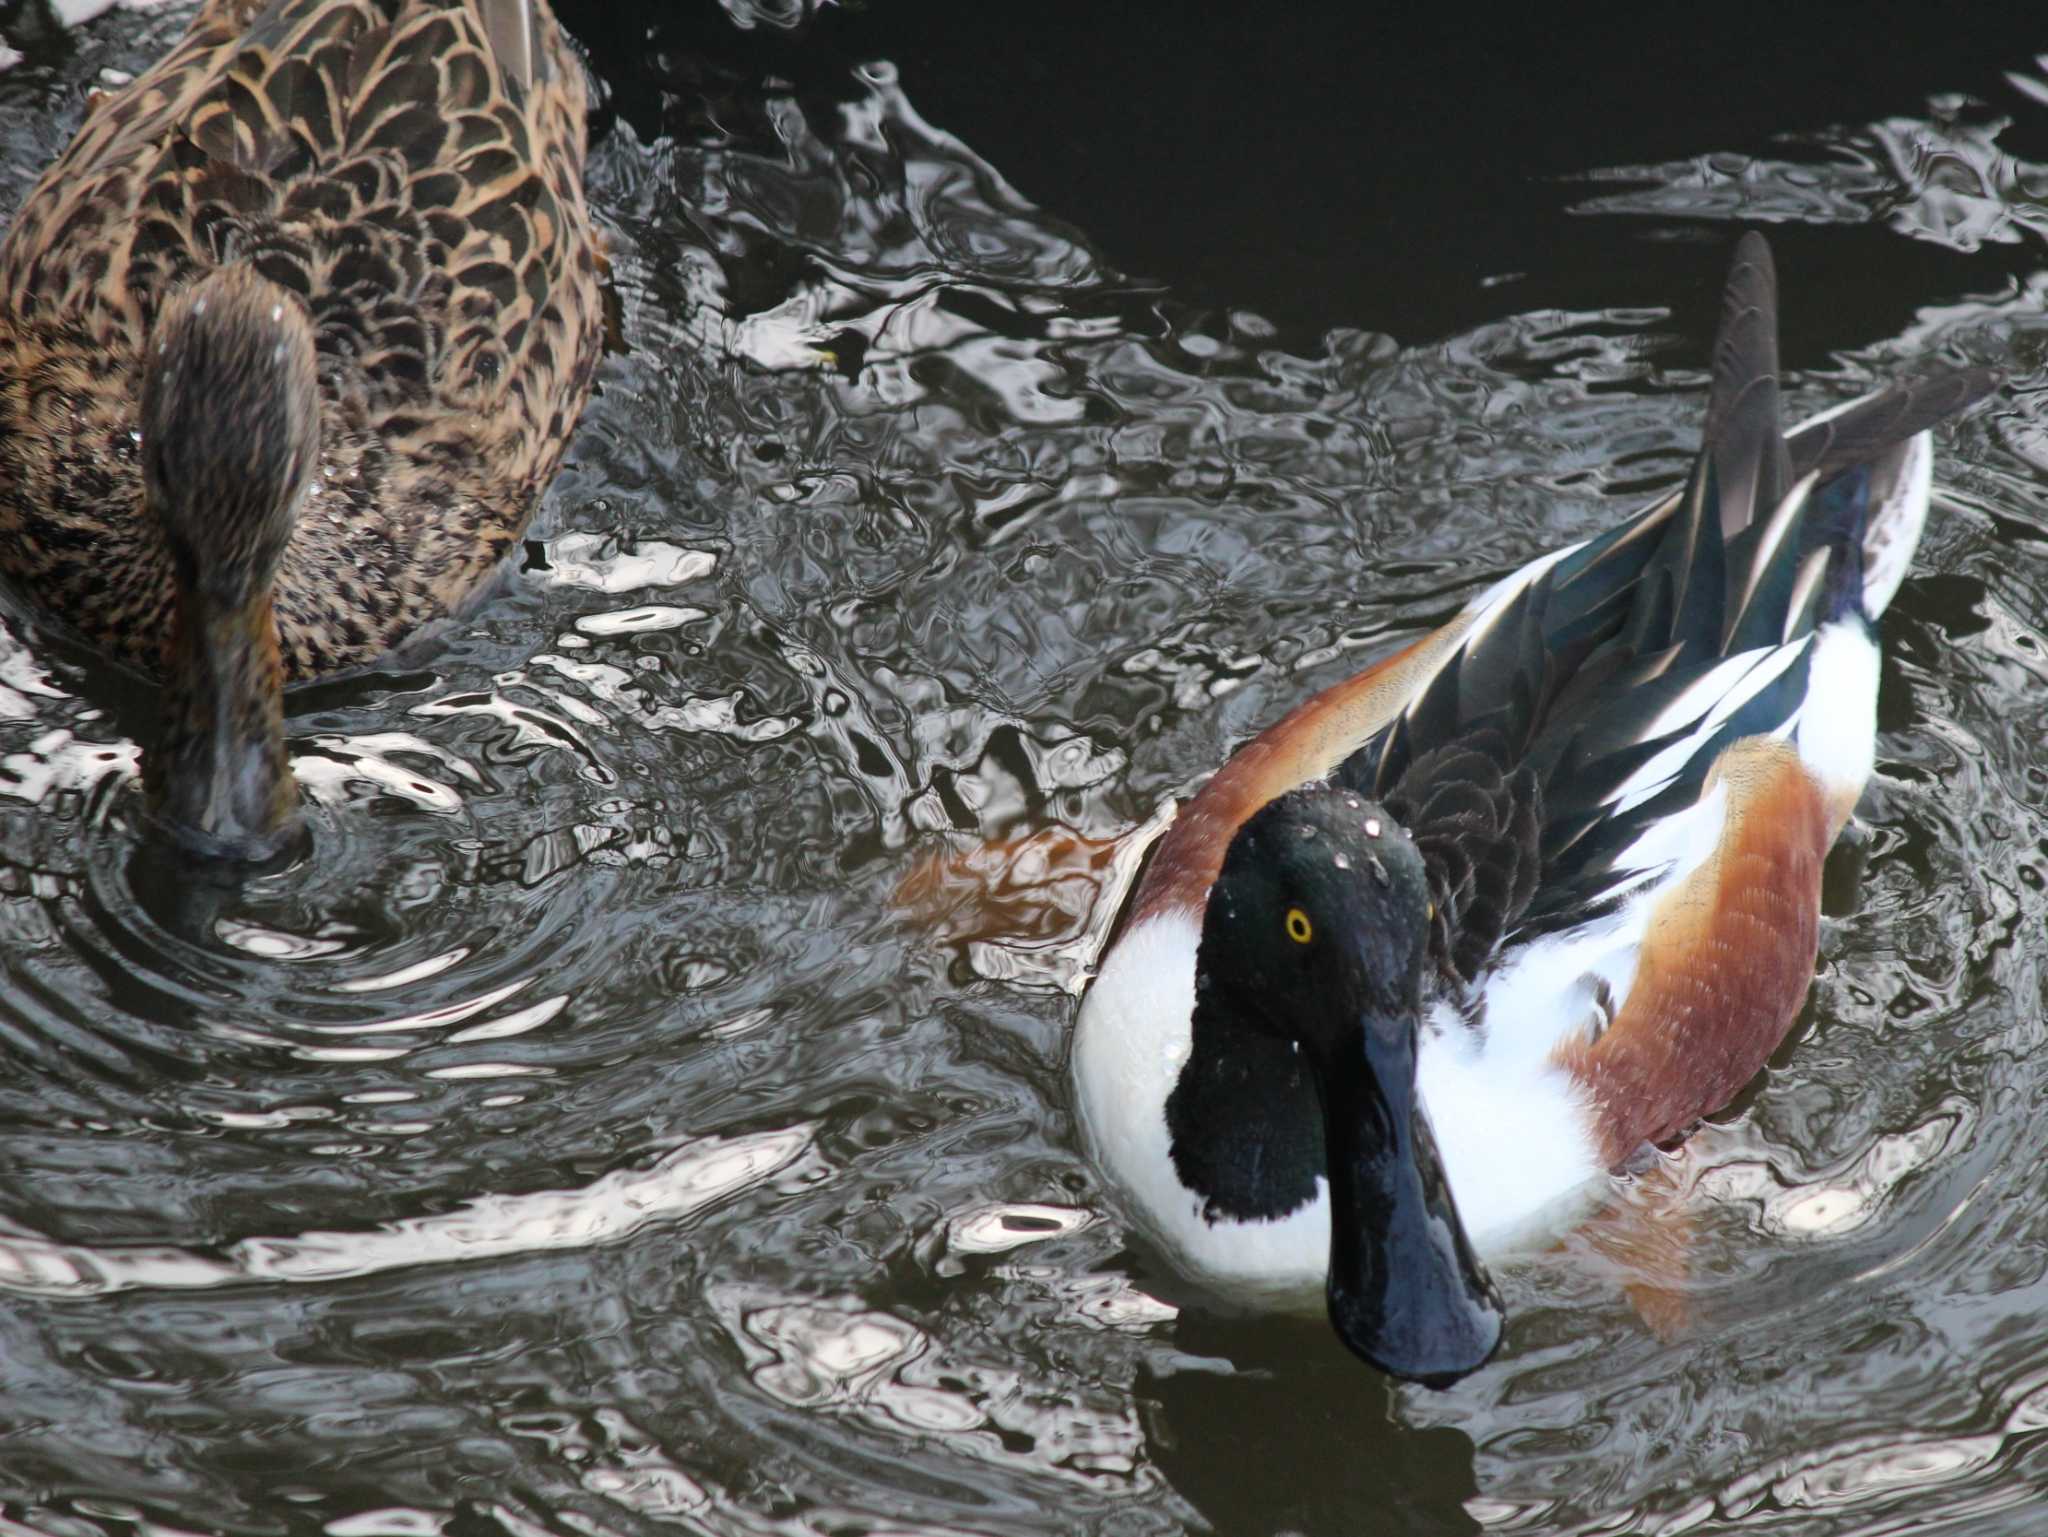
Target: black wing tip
[[1753, 285], [1757, 462], [1743, 439], [1752, 245], [1887, 418], [1978, 381], [1746, 339], [1753, 272]]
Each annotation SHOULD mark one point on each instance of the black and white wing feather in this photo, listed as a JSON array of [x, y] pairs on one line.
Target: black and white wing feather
[[1595, 689]]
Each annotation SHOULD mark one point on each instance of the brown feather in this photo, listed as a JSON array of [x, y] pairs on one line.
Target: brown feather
[[370, 158], [1726, 963]]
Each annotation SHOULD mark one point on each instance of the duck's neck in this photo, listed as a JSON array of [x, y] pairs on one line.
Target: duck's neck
[[219, 777], [230, 438]]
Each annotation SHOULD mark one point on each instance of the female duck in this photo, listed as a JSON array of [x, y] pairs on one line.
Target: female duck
[[1464, 931], [291, 339]]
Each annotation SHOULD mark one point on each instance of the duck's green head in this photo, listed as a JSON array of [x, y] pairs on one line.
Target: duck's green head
[[230, 438], [1316, 935]]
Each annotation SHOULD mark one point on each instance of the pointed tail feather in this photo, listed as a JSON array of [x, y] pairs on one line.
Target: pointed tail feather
[[1863, 428], [1746, 447], [1853, 481]]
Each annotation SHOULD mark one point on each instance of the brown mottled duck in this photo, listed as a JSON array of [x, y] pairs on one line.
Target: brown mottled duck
[[291, 339]]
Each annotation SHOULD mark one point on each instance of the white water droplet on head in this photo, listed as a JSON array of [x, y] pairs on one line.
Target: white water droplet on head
[[199, 306], [1372, 827], [277, 312], [1343, 861]]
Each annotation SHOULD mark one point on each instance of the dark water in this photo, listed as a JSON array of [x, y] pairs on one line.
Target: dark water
[[1002, 426]]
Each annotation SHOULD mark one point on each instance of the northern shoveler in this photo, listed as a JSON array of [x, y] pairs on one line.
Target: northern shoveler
[[1459, 934], [291, 339]]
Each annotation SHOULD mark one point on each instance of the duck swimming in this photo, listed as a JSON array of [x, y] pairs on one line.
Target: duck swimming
[[1463, 932], [291, 339]]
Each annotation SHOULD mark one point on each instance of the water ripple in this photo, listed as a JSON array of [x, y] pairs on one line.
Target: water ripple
[[684, 1183], [717, 893], [1947, 179]]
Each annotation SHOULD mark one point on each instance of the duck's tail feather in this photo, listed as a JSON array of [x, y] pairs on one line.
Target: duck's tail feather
[[1745, 447], [1874, 457], [1814, 524], [1776, 534], [1863, 428], [1616, 672]]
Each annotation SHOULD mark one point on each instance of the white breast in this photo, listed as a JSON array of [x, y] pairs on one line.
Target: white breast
[[1510, 1127], [1129, 1044]]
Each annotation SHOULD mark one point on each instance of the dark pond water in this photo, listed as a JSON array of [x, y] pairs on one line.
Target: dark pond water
[[1001, 425]]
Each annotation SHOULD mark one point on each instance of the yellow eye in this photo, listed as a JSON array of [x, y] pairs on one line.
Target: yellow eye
[[1432, 912], [1299, 929]]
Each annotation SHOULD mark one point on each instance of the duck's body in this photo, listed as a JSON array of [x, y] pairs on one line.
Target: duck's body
[[400, 182], [1618, 773]]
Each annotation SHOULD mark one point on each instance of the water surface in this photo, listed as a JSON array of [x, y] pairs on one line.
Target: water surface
[[646, 1108]]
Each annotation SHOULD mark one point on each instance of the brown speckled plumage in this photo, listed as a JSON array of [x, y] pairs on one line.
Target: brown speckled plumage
[[379, 162]]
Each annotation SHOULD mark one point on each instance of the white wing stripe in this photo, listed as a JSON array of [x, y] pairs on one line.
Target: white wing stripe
[[1773, 536], [1697, 700], [1490, 602], [1717, 696]]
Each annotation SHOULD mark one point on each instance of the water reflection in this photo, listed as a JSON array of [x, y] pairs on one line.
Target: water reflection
[[1947, 179], [881, 1370], [677, 1187], [580, 1137]]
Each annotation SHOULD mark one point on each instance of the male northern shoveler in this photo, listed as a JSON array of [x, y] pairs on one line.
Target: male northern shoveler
[[291, 339], [1460, 933]]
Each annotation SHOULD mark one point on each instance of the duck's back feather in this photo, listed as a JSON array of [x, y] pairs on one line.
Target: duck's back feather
[[422, 195], [1590, 697]]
